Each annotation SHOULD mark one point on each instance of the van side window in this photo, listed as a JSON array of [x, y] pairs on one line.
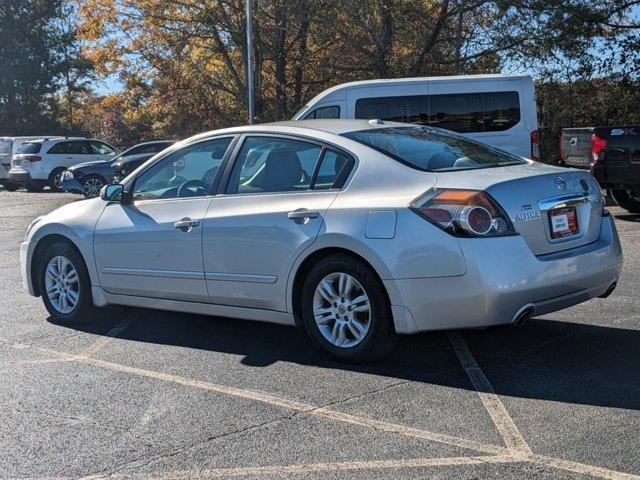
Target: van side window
[[332, 111], [408, 109], [459, 112], [475, 112]]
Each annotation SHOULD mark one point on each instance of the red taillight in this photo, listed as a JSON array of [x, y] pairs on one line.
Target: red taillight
[[33, 158], [535, 146], [562, 147], [468, 213], [598, 146]]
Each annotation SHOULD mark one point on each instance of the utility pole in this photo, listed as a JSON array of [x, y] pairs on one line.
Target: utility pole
[[249, 60]]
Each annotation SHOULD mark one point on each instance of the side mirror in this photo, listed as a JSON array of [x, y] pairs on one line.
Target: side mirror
[[112, 192]]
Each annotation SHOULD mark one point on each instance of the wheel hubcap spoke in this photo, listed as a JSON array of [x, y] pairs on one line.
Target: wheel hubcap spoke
[[341, 310], [62, 285]]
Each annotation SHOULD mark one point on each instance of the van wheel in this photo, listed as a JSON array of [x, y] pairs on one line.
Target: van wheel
[[627, 199], [345, 310], [64, 283], [55, 179]]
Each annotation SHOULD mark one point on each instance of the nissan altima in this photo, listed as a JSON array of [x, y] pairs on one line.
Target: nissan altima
[[357, 230]]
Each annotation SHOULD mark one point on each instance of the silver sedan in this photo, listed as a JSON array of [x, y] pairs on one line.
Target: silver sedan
[[357, 230]]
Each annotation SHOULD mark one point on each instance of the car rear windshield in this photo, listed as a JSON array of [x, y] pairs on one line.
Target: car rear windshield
[[30, 147], [432, 149]]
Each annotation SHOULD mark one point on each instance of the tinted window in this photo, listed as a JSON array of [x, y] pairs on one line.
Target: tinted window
[[459, 112], [433, 150], [409, 109], [30, 147], [78, 147], [270, 164], [100, 148], [333, 171], [5, 146], [332, 111], [475, 112], [197, 164]]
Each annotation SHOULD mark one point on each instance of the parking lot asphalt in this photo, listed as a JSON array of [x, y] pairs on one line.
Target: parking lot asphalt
[[137, 393]]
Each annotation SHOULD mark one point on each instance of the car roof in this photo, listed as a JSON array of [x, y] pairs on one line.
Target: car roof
[[302, 127]]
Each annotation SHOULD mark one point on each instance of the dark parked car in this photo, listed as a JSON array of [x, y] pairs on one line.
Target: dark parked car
[[613, 156], [88, 178]]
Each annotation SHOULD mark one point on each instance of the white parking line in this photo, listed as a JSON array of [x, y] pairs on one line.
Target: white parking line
[[503, 422]]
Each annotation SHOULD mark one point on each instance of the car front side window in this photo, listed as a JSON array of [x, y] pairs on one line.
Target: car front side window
[[188, 172]]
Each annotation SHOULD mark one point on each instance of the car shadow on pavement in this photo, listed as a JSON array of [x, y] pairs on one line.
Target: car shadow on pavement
[[544, 359]]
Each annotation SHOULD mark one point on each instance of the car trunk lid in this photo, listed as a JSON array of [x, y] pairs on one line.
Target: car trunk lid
[[541, 200]]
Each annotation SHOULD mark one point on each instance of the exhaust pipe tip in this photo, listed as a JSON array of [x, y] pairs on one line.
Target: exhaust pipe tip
[[609, 290], [523, 315]]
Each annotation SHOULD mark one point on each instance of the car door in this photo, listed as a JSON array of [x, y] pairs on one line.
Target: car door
[[68, 153], [151, 246], [269, 213]]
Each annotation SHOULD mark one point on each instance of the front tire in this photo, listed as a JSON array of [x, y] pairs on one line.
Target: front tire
[[627, 199], [64, 283], [346, 311], [92, 185]]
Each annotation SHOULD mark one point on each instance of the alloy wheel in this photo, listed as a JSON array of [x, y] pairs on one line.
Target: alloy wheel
[[92, 187], [342, 310], [62, 284]]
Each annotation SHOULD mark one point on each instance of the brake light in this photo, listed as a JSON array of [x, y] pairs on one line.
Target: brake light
[[33, 158], [466, 213], [535, 146], [598, 146]]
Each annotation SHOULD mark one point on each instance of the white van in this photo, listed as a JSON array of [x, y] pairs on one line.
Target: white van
[[499, 110]]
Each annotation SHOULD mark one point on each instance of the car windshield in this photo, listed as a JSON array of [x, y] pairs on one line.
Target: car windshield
[[432, 149]]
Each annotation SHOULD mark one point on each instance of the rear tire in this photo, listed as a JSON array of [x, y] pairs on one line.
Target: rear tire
[[345, 310], [64, 283], [92, 185], [10, 187], [55, 179], [627, 199]]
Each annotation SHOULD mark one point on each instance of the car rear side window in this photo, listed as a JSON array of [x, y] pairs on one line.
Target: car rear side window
[[458, 112], [433, 150], [30, 147], [273, 164], [333, 171]]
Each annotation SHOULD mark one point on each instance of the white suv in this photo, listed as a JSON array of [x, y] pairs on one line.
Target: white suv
[[41, 162]]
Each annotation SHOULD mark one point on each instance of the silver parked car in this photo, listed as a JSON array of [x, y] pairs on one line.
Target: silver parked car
[[358, 230]]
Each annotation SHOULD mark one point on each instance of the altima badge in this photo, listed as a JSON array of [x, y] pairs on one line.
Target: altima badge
[[528, 215]]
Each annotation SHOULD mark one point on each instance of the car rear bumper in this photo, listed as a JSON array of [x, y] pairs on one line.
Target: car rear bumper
[[503, 280], [24, 178]]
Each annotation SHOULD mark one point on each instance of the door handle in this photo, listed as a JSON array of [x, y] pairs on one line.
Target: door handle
[[302, 215], [186, 224]]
